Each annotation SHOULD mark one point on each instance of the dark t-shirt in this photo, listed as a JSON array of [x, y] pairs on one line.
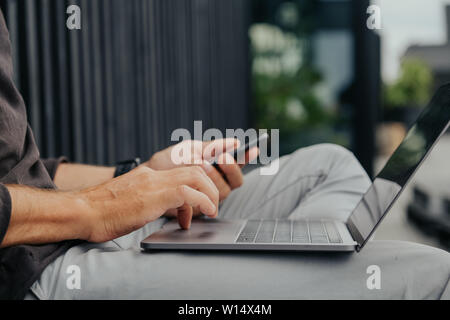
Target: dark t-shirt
[[20, 163]]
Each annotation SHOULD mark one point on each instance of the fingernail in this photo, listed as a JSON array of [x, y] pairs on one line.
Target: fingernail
[[211, 210], [207, 166]]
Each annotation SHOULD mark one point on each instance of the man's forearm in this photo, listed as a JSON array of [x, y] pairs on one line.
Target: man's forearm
[[109, 210], [43, 216], [78, 176]]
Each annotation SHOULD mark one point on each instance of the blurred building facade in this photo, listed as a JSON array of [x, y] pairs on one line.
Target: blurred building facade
[[437, 57], [316, 73]]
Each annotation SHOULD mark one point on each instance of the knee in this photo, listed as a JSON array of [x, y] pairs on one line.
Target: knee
[[330, 151], [334, 150], [333, 160]]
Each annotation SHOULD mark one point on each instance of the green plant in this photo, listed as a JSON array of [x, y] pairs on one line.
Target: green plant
[[288, 102], [283, 83], [412, 88]]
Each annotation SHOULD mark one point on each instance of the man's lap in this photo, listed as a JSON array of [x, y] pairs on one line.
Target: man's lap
[[114, 273], [118, 269]]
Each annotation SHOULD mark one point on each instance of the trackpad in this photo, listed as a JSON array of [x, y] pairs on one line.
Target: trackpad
[[201, 231]]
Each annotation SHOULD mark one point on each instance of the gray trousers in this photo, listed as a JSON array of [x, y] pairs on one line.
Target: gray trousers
[[319, 181]]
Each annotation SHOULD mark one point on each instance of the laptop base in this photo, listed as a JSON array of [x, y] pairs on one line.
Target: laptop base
[[231, 235]]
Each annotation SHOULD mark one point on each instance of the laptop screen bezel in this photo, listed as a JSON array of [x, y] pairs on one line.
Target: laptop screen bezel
[[353, 229]]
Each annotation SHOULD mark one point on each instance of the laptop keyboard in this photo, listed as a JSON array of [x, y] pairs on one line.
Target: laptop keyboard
[[289, 231]]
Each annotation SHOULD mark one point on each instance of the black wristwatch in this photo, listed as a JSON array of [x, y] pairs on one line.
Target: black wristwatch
[[123, 167]]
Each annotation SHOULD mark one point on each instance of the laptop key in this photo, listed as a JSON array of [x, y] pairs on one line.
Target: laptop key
[[333, 234], [319, 239], [248, 234], [318, 233], [300, 232], [283, 231], [265, 232]]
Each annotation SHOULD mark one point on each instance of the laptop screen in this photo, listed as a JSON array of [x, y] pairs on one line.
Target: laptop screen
[[389, 183]]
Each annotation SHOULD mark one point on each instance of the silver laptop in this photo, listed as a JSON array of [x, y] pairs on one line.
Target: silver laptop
[[319, 235]]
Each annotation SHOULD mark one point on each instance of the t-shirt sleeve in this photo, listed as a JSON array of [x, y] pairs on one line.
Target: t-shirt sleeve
[[5, 210], [52, 164]]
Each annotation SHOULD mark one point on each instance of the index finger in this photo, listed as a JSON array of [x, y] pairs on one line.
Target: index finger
[[250, 155], [215, 148], [196, 178], [182, 196], [184, 216]]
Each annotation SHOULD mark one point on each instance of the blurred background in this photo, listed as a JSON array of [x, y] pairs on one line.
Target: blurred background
[[139, 69]]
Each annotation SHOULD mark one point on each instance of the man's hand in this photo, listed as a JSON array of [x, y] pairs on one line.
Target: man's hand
[[129, 202], [201, 153], [110, 210]]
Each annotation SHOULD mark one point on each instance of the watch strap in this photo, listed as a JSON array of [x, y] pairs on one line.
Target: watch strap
[[123, 167]]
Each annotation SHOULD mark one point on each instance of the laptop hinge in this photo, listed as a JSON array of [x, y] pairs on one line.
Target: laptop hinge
[[356, 235]]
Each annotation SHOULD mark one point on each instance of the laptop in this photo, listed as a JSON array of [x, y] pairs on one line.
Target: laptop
[[320, 235]]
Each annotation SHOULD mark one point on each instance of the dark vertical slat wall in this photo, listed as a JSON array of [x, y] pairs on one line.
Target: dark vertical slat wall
[[62, 95], [367, 89], [136, 71]]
